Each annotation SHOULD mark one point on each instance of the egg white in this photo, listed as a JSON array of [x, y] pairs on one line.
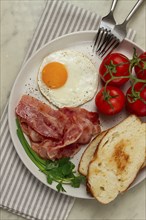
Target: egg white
[[81, 84]]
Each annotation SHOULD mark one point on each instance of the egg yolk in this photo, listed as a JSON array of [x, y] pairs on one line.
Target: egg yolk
[[54, 75]]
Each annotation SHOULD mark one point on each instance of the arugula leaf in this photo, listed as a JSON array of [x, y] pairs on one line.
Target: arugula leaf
[[56, 174], [60, 187], [77, 181], [49, 179], [67, 168], [51, 164], [63, 161]]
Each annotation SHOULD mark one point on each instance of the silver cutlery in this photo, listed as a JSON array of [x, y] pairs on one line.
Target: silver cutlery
[[106, 25], [110, 35]]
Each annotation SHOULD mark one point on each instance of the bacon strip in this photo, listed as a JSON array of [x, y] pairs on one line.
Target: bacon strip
[[56, 133]]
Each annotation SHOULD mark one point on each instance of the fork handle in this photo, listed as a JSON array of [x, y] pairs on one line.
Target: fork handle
[[114, 2], [133, 10]]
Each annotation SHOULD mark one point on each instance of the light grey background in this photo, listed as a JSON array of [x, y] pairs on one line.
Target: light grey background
[[19, 19]]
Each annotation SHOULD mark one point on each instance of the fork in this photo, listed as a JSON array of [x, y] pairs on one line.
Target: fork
[[117, 35], [106, 25]]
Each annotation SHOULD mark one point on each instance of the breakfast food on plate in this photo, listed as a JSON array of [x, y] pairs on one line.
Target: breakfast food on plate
[[139, 65], [117, 160], [88, 154], [136, 99], [144, 163], [115, 65], [113, 157], [110, 100], [56, 133], [116, 69], [67, 78]]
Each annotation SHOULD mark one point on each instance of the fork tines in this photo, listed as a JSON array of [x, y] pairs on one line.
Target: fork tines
[[105, 42], [108, 46], [100, 37]]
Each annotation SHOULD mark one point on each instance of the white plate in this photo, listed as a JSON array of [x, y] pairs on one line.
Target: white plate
[[26, 82]]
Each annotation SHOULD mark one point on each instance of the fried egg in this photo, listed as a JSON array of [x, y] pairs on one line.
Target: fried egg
[[67, 78]]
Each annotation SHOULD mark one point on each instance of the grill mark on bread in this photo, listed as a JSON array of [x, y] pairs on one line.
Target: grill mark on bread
[[120, 156]]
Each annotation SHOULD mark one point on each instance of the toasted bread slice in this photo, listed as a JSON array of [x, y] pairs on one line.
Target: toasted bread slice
[[144, 165], [120, 156], [88, 154]]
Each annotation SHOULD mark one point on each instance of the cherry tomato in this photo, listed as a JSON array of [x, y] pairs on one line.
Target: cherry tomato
[[140, 66], [110, 101], [116, 64], [136, 99]]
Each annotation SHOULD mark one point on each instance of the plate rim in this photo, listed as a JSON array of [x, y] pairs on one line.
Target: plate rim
[[93, 32]]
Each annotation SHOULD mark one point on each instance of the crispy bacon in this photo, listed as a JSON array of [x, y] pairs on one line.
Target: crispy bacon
[[53, 133], [44, 124], [87, 120]]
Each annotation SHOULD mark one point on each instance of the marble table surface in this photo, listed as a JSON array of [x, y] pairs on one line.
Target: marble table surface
[[16, 36]]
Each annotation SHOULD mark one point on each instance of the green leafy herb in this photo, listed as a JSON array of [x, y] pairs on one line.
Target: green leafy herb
[[60, 187], [61, 171], [77, 180], [51, 164], [49, 179]]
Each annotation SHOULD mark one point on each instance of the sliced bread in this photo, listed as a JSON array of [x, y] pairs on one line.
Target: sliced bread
[[144, 165], [88, 154], [118, 159]]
